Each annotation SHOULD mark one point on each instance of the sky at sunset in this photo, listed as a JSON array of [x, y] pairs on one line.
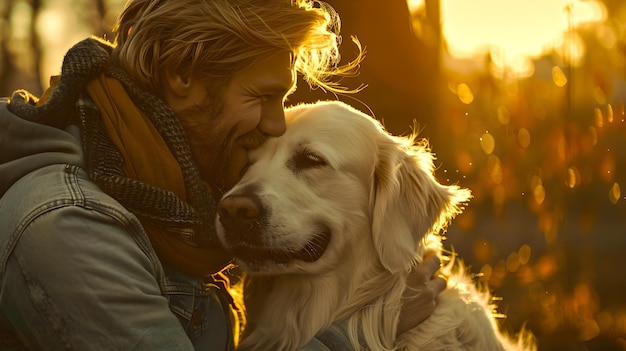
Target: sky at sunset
[[513, 31]]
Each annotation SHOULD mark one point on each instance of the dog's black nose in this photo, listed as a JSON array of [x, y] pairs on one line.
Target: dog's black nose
[[241, 215]]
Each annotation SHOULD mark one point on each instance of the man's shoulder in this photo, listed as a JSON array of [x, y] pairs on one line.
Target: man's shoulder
[[59, 204], [56, 187]]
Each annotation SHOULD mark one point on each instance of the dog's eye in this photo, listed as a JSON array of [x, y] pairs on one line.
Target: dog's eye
[[307, 159]]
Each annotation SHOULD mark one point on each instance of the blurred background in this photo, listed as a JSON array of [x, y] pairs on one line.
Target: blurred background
[[523, 103]]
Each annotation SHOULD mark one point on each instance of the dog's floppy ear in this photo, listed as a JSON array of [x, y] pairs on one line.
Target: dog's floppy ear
[[407, 202]]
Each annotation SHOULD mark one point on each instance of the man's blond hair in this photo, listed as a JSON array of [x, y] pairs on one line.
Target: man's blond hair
[[214, 39]]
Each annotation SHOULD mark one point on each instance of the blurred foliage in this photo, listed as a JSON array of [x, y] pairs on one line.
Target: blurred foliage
[[545, 157], [35, 34]]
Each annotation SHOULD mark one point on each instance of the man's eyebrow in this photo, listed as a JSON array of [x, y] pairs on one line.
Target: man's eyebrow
[[275, 87]]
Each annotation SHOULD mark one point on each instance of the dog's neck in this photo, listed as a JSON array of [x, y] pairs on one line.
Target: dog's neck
[[308, 304]]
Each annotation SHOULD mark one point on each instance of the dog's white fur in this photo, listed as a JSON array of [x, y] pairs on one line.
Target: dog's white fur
[[337, 170]]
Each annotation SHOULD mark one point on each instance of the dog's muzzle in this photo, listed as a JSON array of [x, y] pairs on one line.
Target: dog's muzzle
[[245, 221]]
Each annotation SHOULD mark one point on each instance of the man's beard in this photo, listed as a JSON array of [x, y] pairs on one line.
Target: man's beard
[[214, 155], [215, 173], [210, 154], [222, 166]]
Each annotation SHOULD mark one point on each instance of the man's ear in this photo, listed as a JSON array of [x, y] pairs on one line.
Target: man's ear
[[181, 91], [177, 85]]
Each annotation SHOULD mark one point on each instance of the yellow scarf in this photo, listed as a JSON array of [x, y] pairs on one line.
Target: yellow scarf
[[148, 159]]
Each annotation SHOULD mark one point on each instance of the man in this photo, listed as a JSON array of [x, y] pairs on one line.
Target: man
[[109, 180]]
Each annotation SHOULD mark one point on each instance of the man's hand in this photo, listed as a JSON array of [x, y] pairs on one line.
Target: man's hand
[[420, 296]]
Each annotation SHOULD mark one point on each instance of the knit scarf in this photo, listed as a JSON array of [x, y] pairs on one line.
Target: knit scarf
[[137, 152]]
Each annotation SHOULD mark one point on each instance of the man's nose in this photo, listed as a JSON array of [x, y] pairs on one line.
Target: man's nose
[[272, 121]]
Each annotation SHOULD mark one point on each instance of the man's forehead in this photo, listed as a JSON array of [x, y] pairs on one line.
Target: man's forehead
[[276, 73]]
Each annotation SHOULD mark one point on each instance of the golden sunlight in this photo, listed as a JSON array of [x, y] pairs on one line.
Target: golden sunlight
[[60, 28], [514, 31]]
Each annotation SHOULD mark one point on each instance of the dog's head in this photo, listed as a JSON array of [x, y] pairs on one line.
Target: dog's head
[[334, 184]]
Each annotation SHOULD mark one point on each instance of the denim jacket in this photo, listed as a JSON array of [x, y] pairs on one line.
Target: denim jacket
[[77, 270]]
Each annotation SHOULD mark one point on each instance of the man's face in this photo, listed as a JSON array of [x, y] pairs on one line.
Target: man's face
[[252, 108]]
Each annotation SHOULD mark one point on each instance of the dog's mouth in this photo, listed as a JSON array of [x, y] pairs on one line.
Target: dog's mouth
[[256, 256]]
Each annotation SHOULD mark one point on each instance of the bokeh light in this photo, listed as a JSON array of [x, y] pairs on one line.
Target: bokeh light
[[515, 31], [548, 84]]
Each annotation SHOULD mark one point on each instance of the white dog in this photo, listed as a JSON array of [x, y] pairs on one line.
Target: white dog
[[328, 221]]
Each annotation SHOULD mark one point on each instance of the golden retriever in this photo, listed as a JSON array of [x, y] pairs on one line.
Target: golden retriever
[[328, 221]]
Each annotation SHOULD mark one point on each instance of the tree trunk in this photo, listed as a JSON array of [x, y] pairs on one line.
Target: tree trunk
[[401, 71]]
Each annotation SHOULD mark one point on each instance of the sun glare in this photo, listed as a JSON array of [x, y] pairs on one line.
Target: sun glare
[[514, 31]]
